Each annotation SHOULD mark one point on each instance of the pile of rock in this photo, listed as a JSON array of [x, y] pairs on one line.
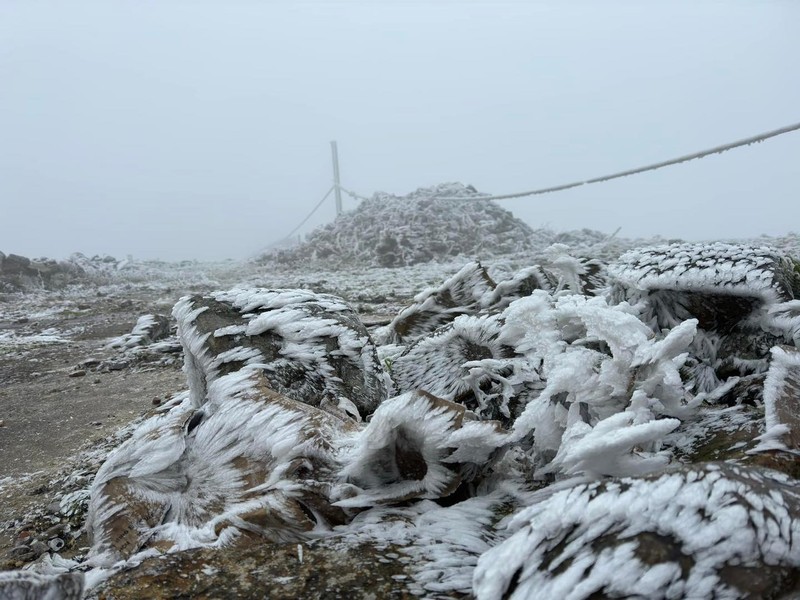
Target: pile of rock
[[430, 224], [19, 273]]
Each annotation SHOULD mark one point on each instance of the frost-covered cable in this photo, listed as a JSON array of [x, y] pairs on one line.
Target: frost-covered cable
[[309, 215], [674, 161]]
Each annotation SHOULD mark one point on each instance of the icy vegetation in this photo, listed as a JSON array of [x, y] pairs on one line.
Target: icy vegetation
[[573, 427]]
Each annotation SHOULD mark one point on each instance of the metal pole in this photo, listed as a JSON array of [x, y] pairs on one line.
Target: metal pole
[[337, 186]]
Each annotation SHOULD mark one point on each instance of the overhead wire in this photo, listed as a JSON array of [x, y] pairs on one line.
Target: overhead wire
[[652, 167], [311, 214]]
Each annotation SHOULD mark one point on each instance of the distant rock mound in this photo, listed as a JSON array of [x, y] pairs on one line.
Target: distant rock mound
[[20, 273], [430, 224]]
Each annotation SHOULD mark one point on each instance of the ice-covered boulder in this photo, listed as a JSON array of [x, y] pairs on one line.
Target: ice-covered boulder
[[269, 443], [699, 531], [311, 347], [741, 296], [462, 294], [259, 464], [737, 272], [456, 362], [253, 465]]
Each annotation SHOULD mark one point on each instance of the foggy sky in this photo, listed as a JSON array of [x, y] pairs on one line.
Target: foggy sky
[[183, 130]]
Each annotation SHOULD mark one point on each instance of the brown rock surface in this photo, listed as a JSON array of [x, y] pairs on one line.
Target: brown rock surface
[[280, 571]]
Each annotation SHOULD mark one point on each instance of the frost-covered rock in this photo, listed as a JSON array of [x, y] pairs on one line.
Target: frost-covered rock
[[462, 294], [238, 459], [463, 361], [26, 585], [585, 387], [472, 291], [311, 347], [148, 329], [258, 464], [413, 550], [263, 466], [741, 271], [741, 295], [417, 446], [712, 530]]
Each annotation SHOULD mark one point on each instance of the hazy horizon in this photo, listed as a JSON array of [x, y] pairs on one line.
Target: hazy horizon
[[197, 130]]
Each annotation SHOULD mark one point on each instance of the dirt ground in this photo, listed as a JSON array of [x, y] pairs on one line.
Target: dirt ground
[[64, 392]]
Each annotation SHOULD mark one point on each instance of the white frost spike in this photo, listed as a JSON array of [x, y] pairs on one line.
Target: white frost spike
[[657, 365], [608, 448], [782, 401], [682, 534], [784, 319]]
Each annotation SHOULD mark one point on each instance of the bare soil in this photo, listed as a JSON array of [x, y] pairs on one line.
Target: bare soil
[[53, 407]]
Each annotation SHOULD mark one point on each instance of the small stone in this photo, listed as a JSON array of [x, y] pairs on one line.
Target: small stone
[[24, 535], [20, 550], [55, 531], [96, 423], [38, 548], [2, 423], [89, 363], [77, 373], [38, 491], [96, 381], [22, 320], [156, 402]]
